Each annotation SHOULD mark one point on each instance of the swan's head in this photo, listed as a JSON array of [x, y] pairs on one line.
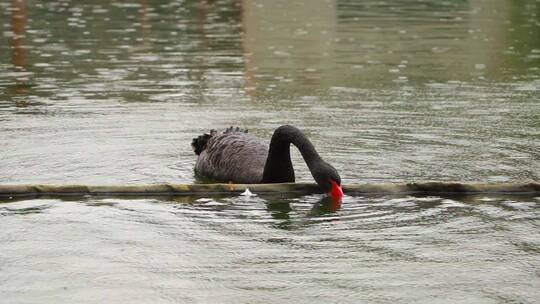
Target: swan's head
[[328, 179]]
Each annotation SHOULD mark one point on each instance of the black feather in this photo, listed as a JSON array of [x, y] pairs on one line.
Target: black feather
[[199, 143]]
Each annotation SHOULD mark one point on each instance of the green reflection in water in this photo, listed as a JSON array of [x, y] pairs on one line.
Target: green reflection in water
[[392, 90]]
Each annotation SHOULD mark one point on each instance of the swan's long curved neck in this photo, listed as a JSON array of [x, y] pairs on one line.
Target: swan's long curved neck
[[278, 167]]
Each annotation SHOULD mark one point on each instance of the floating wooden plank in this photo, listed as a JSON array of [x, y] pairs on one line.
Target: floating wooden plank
[[301, 188]]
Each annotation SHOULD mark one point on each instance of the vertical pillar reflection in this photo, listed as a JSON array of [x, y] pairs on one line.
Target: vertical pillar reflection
[[18, 25], [249, 65], [19, 50], [143, 18]]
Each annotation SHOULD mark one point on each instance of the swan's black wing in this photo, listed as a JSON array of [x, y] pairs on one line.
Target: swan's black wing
[[232, 156]]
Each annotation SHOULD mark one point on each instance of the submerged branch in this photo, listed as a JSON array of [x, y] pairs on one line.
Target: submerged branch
[[302, 188]]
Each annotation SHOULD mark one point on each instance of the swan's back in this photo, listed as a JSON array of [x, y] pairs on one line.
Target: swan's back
[[231, 156]]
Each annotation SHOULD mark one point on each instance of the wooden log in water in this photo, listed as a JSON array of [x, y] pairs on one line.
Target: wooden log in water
[[428, 188]]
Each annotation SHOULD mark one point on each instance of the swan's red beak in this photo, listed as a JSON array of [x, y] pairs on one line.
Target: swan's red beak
[[336, 192]]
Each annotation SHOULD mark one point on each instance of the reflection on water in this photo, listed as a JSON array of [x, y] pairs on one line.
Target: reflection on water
[[113, 92], [271, 249], [103, 92]]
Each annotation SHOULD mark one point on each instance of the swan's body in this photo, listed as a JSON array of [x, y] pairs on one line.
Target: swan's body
[[233, 156], [239, 157]]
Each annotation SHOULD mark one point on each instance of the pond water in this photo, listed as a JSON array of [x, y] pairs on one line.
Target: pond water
[[271, 250], [111, 92]]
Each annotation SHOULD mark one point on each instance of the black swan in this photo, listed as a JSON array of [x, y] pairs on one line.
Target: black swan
[[239, 157]]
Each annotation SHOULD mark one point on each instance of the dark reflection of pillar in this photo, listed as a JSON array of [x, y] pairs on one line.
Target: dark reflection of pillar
[[143, 18], [198, 72], [18, 25], [19, 55], [145, 26], [202, 12], [249, 65]]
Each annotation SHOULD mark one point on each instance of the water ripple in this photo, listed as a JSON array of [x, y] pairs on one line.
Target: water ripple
[[278, 245]]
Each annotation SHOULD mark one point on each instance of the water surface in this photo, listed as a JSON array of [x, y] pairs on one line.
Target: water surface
[[111, 92], [271, 249]]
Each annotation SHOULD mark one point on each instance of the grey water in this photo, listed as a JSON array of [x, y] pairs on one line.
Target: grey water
[[111, 92], [271, 250]]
